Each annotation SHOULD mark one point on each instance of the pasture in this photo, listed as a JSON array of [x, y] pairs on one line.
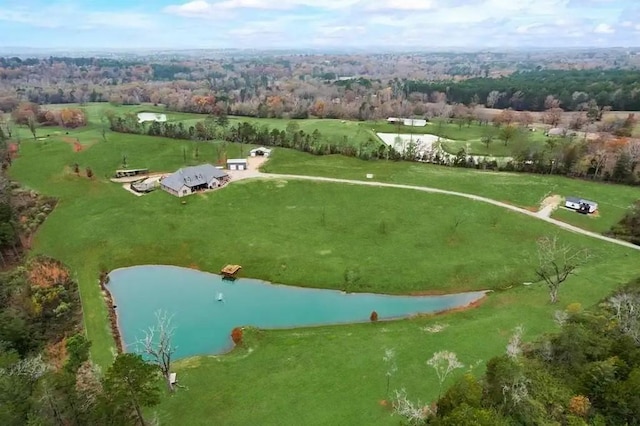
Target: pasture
[[520, 189], [324, 235]]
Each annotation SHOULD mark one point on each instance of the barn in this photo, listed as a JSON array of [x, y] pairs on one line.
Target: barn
[[189, 180], [580, 205], [237, 164], [260, 152]]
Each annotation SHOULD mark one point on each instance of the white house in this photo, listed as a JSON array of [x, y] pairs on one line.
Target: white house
[[414, 122], [260, 152], [580, 205], [189, 180], [237, 164]]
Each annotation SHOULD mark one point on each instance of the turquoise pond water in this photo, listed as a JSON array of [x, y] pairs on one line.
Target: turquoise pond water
[[203, 324]]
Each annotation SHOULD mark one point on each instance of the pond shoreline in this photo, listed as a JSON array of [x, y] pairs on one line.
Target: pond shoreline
[[206, 320], [111, 312]]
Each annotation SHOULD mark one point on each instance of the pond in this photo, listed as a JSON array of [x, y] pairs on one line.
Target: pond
[[151, 116], [203, 323]]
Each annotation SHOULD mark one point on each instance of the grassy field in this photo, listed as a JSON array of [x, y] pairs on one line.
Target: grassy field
[[468, 137], [315, 231], [304, 233], [524, 190], [339, 132]]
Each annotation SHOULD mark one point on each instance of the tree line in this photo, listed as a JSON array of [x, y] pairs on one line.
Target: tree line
[[254, 134]]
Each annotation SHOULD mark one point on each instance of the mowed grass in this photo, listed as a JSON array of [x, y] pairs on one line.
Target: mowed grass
[[305, 233], [336, 375], [521, 189]]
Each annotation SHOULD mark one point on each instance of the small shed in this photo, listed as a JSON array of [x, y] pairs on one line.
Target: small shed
[[237, 164], [260, 152], [414, 122], [580, 205]]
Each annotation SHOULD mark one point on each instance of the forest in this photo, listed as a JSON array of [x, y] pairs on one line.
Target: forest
[[360, 87], [527, 90], [46, 377]]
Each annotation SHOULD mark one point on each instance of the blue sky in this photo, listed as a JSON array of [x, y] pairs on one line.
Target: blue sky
[[405, 24]]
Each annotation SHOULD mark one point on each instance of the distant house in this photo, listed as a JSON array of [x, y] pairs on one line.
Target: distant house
[[559, 131], [414, 122], [237, 164], [580, 205], [189, 180], [260, 152]]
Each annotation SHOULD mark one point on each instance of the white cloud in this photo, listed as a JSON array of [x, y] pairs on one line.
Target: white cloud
[[57, 16], [400, 5], [603, 29], [202, 8]]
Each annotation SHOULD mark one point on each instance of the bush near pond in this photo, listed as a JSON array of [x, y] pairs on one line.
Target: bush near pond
[[236, 335]]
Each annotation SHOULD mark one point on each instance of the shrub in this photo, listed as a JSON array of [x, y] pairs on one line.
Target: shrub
[[574, 308], [236, 335], [579, 406], [374, 316]]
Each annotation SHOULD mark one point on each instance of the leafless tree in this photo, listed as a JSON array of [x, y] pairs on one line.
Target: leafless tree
[[415, 413], [556, 262], [553, 116], [444, 363], [493, 98], [157, 344], [514, 348], [626, 312]]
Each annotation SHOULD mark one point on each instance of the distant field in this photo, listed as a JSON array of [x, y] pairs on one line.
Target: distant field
[[525, 190], [467, 137]]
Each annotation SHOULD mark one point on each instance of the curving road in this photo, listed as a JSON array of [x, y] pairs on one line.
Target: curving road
[[541, 215]]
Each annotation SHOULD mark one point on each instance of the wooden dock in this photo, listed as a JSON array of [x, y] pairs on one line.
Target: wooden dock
[[230, 271]]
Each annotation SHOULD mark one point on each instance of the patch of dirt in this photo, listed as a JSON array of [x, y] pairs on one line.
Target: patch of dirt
[[75, 142], [552, 200]]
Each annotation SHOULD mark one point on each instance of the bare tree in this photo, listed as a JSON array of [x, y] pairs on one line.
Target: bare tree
[[514, 348], [415, 413], [556, 262], [444, 363], [389, 359], [157, 344], [553, 116], [493, 97], [626, 312]]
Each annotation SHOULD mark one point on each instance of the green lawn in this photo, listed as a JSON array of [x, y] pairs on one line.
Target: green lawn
[[524, 190], [336, 375]]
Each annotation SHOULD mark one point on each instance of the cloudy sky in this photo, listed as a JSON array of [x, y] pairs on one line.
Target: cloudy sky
[[414, 24]]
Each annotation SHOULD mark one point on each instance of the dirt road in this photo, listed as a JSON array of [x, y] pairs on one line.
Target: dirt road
[[253, 174]]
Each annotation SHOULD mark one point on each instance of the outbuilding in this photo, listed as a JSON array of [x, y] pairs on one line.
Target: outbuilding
[[237, 164], [260, 152], [580, 205]]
